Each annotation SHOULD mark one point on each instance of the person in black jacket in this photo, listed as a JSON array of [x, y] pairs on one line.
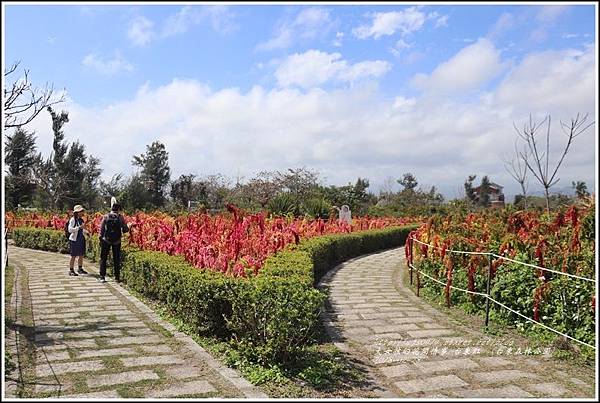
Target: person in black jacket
[[112, 227]]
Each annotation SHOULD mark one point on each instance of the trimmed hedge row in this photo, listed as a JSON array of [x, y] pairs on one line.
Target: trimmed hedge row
[[54, 241], [270, 316]]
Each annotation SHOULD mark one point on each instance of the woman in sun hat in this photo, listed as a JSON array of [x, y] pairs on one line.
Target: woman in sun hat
[[77, 240]]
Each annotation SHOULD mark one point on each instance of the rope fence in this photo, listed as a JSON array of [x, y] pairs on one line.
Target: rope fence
[[507, 258], [487, 294]]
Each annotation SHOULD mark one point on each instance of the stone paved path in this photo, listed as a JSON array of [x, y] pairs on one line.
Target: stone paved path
[[96, 340], [375, 316]]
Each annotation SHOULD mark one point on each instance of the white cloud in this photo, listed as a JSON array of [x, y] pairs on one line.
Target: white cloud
[[400, 46], [339, 36], [220, 17], [107, 66], [552, 80], [504, 23], [180, 22], [314, 68], [550, 13], [310, 23], [140, 31], [546, 18], [405, 21], [343, 132], [440, 20], [471, 67], [569, 36], [403, 103], [538, 34]]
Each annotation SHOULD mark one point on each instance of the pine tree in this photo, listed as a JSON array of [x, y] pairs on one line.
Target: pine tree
[[20, 159], [155, 174]]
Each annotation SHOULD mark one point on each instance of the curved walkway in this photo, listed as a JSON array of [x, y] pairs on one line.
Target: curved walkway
[[95, 340], [413, 350]]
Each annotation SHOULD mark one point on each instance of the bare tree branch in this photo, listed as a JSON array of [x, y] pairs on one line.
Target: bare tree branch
[[517, 168], [23, 102], [541, 168]]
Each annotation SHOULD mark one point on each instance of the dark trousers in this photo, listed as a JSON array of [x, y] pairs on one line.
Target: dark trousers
[[116, 254]]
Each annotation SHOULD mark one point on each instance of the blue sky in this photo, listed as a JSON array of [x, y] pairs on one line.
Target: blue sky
[[350, 90]]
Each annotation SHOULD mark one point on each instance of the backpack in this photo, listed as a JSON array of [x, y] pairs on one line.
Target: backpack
[[67, 233], [112, 224]]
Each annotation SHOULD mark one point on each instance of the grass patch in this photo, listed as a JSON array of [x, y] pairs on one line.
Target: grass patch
[[9, 280], [140, 388], [21, 321], [113, 363]]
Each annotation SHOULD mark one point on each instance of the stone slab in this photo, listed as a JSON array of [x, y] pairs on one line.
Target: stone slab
[[93, 333], [397, 371], [430, 384], [120, 378], [394, 328], [152, 360], [494, 361], [68, 367], [106, 352], [430, 333], [161, 349], [550, 389], [446, 365], [509, 391], [74, 343], [506, 375], [188, 388], [134, 340], [110, 394], [183, 372], [59, 355]]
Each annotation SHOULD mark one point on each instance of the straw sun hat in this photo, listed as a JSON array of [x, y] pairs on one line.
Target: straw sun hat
[[78, 208]]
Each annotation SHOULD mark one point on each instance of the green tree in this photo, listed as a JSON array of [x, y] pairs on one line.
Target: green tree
[[408, 181], [114, 187], [580, 189], [355, 196], [186, 189], [302, 183], [483, 195], [68, 176], [155, 173], [135, 195], [51, 173], [409, 201], [217, 191], [20, 159], [470, 193], [90, 184], [261, 189]]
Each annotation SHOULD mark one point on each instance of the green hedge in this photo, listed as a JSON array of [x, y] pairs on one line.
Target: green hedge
[[55, 241], [270, 316]]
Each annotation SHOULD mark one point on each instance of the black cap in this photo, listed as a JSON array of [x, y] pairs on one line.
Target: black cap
[[116, 207]]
